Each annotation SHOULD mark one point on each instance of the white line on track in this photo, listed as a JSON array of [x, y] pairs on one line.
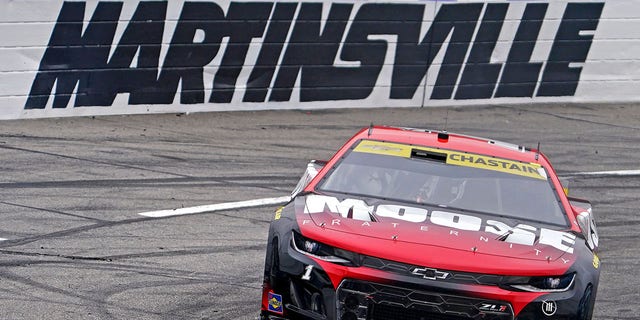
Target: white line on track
[[281, 200], [216, 207], [608, 173]]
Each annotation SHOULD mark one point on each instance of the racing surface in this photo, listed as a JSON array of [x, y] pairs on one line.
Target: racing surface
[[75, 246]]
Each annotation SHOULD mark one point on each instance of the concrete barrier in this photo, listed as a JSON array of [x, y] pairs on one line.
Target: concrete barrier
[[129, 57]]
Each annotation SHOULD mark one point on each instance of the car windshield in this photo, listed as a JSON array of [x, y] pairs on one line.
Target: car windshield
[[387, 175]]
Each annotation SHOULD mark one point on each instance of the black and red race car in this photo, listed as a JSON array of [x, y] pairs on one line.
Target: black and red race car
[[407, 223]]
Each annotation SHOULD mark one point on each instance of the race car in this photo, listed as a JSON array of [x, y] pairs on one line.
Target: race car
[[405, 223]]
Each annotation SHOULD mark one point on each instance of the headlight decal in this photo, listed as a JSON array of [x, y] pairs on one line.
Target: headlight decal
[[547, 284], [322, 251]]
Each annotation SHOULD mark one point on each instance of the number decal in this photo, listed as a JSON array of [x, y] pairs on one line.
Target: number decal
[[307, 273]]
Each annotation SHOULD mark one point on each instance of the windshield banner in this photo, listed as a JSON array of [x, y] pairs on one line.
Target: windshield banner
[[465, 159]]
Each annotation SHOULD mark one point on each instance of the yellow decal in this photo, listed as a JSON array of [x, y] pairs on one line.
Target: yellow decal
[[278, 213], [531, 170], [596, 261], [384, 148], [490, 163], [275, 303]]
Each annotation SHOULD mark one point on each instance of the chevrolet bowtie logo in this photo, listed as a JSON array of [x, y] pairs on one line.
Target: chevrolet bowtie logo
[[429, 273]]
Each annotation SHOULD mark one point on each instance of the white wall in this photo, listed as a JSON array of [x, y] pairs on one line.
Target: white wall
[[94, 58]]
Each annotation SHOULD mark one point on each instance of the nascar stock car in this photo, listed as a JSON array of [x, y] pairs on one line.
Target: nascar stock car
[[408, 223]]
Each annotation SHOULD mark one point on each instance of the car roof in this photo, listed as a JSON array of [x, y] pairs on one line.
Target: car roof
[[451, 141]]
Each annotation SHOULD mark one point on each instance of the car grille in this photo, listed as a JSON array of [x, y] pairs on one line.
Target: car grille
[[382, 311], [452, 276], [373, 301]]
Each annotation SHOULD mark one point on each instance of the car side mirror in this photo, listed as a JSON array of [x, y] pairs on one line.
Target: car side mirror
[[583, 213], [313, 167]]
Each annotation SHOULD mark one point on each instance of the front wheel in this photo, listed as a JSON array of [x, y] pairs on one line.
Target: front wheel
[[585, 308]]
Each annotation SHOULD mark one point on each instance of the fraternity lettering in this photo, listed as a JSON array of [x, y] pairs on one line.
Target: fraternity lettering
[[299, 46], [522, 234]]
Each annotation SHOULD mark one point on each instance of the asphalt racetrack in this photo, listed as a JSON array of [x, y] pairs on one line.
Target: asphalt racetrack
[[76, 247]]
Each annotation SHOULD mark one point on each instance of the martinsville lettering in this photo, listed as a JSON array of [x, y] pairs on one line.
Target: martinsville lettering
[[296, 46]]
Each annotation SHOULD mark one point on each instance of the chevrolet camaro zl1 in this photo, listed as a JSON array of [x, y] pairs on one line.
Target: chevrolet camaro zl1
[[408, 224]]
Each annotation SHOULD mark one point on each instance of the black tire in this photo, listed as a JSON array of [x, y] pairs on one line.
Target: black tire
[[585, 308], [274, 270]]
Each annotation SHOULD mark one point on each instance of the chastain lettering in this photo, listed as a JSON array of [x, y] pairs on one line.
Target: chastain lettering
[[296, 47], [493, 163]]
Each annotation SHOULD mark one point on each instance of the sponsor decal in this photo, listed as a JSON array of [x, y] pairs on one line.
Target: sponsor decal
[[549, 308], [532, 170], [488, 307], [278, 213], [596, 261], [275, 303], [356, 209], [272, 43]]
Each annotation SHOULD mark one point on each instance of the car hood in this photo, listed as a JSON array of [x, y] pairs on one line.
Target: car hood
[[354, 224]]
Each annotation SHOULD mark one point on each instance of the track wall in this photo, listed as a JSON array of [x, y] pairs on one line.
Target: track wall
[[77, 58]]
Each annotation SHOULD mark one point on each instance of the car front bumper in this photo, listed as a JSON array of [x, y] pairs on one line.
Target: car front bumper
[[309, 288]]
